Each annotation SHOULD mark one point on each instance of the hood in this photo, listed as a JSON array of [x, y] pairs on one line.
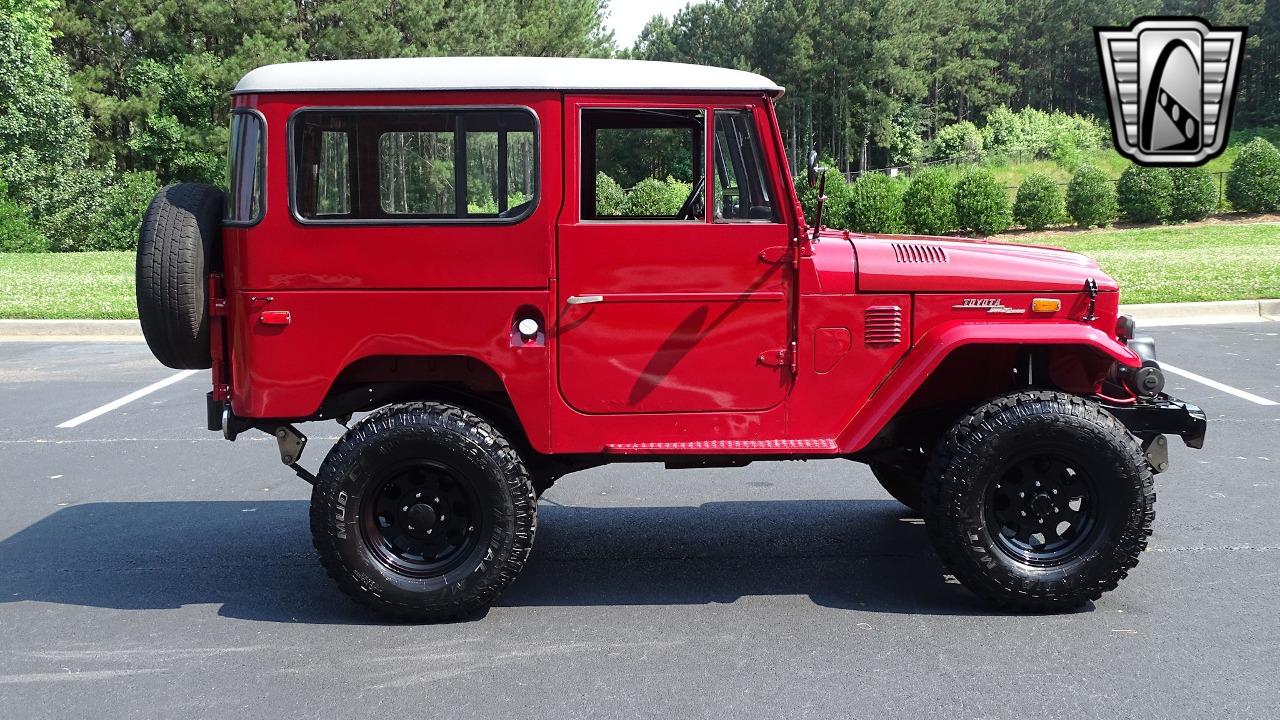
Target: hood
[[918, 263]]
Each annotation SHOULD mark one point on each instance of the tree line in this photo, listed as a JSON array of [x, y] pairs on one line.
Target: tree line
[[890, 73], [102, 102]]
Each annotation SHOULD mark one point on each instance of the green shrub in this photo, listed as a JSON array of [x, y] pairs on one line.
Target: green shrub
[[1194, 193], [904, 140], [16, 232], [1065, 152], [95, 211], [1253, 183], [1091, 197], [652, 197], [1143, 194], [609, 196], [960, 139], [874, 204], [982, 204], [1042, 134], [1039, 202], [69, 209], [1003, 132], [835, 214], [929, 203], [119, 214]]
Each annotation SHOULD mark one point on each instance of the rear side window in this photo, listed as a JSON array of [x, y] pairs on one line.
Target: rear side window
[[247, 168], [414, 165]]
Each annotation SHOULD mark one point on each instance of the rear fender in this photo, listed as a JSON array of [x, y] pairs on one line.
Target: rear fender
[[941, 341]]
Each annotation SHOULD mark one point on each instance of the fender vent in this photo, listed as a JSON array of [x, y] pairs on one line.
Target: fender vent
[[882, 325], [904, 253]]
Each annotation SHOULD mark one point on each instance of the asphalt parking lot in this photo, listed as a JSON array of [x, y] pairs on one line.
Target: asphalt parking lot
[[148, 568]]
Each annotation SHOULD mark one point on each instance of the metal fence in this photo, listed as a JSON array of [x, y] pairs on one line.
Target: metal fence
[[906, 170]]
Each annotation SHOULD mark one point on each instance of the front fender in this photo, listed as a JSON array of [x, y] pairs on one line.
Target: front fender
[[938, 342]]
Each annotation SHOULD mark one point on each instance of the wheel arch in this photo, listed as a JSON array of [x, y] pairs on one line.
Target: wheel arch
[[375, 381], [956, 366]]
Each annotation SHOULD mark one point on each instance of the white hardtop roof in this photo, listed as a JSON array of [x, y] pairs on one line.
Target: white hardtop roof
[[499, 73]]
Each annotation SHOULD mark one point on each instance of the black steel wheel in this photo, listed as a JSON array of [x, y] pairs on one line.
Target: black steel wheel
[[1039, 501], [423, 519], [423, 511], [1042, 509]]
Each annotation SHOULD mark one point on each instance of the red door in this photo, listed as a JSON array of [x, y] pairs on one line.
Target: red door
[[669, 302]]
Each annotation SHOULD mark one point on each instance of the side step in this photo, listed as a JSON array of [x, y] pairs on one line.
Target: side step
[[821, 446]]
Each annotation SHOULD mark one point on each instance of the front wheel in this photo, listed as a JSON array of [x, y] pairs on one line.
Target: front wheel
[[423, 511], [1039, 501]]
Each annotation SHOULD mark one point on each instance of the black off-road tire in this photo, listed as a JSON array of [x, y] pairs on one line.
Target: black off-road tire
[[982, 448], [179, 244], [478, 455]]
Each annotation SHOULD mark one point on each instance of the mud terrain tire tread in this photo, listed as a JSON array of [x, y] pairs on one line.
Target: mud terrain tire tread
[[177, 246], [952, 517], [450, 429]]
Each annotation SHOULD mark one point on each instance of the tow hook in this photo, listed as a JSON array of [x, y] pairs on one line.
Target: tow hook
[[291, 443]]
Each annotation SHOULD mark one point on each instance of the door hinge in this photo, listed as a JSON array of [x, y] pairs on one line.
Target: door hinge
[[783, 357], [217, 299]]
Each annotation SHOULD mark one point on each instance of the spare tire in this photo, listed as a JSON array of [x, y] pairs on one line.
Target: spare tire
[[178, 246]]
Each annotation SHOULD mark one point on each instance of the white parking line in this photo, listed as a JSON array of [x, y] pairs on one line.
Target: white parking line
[[114, 404], [1217, 385]]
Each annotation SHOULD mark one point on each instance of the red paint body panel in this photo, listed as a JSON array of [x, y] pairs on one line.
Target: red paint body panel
[[932, 310], [709, 338], [934, 347], [970, 267], [281, 253], [834, 266], [275, 377]]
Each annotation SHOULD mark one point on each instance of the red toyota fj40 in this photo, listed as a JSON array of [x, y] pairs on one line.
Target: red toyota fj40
[[524, 267]]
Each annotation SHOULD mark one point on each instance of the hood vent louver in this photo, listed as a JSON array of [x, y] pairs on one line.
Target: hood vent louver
[[882, 325], [915, 253]]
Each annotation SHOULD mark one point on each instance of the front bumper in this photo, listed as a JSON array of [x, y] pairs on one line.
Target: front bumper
[[1164, 415], [1153, 414]]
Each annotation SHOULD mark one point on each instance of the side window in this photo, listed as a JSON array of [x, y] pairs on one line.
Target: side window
[[417, 172], [643, 165], [247, 168], [741, 185], [412, 165], [333, 174]]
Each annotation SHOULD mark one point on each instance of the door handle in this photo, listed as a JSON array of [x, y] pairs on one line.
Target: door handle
[[584, 299]]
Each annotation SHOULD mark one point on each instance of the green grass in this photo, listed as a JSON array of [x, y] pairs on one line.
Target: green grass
[[1215, 261], [1181, 264], [90, 285]]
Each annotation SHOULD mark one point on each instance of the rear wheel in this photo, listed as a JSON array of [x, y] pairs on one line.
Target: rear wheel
[[1039, 501], [423, 511]]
